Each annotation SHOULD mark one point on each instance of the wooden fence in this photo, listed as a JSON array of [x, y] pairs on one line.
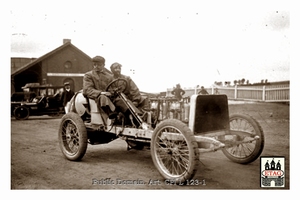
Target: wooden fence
[[265, 93], [274, 92]]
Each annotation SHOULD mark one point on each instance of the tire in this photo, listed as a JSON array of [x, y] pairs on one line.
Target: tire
[[176, 157], [247, 152], [72, 136], [21, 113]]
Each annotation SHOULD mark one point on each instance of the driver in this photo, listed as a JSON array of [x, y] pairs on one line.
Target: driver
[[94, 84], [132, 92]]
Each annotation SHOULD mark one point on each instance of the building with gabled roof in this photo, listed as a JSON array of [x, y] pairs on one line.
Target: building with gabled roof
[[66, 63]]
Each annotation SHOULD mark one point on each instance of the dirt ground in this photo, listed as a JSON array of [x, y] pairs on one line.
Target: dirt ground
[[37, 162]]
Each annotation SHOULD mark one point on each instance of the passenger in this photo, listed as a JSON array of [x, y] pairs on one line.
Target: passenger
[[94, 85]]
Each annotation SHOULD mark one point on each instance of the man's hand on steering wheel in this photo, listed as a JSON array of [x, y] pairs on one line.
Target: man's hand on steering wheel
[[117, 85], [106, 93]]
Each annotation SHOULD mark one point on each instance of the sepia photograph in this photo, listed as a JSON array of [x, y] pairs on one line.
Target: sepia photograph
[[191, 96]]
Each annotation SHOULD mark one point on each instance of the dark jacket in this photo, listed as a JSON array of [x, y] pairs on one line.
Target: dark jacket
[[178, 92], [203, 91], [66, 96], [132, 92]]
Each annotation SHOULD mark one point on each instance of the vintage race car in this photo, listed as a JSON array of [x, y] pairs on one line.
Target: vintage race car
[[37, 100], [176, 131]]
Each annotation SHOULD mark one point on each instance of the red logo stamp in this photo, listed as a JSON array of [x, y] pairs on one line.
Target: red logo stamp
[[272, 171]]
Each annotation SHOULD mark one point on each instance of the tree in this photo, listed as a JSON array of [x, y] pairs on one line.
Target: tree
[[218, 83], [227, 83], [242, 81]]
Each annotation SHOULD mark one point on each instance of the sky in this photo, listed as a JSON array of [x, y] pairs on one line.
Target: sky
[[163, 43]]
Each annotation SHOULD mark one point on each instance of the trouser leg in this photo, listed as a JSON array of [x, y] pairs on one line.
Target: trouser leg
[[121, 106]]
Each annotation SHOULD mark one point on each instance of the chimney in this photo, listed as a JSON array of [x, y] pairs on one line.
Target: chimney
[[66, 41]]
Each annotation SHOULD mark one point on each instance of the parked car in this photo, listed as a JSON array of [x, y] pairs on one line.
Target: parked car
[[37, 100]]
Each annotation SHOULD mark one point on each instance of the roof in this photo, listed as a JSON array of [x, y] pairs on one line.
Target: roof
[[27, 66], [37, 85]]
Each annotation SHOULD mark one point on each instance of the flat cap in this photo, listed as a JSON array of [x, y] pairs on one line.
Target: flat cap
[[115, 65], [66, 83], [98, 59]]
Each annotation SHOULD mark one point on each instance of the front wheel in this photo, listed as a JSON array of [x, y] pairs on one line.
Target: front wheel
[[72, 136], [244, 128], [21, 113], [174, 151]]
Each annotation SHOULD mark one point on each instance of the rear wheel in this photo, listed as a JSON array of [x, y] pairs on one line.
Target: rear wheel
[[174, 151], [72, 136], [21, 113], [244, 128]]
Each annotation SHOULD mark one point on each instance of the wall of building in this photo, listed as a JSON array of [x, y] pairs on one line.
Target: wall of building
[[16, 63], [66, 65], [31, 75], [19, 61]]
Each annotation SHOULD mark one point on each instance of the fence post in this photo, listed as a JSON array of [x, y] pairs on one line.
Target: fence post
[[264, 93], [235, 92]]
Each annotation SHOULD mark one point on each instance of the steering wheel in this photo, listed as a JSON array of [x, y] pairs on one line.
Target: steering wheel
[[118, 85]]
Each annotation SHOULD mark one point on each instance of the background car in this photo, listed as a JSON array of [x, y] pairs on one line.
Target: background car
[[36, 100]]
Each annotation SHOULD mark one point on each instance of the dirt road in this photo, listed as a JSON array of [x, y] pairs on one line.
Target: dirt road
[[37, 162]]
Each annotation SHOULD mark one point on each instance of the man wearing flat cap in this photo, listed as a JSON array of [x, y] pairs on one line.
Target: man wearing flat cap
[[94, 85], [67, 93], [132, 92]]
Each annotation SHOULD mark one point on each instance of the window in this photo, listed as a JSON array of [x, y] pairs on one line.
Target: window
[[68, 65], [50, 92]]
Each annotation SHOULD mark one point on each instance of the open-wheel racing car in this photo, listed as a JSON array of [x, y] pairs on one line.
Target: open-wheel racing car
[[176, 131]]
